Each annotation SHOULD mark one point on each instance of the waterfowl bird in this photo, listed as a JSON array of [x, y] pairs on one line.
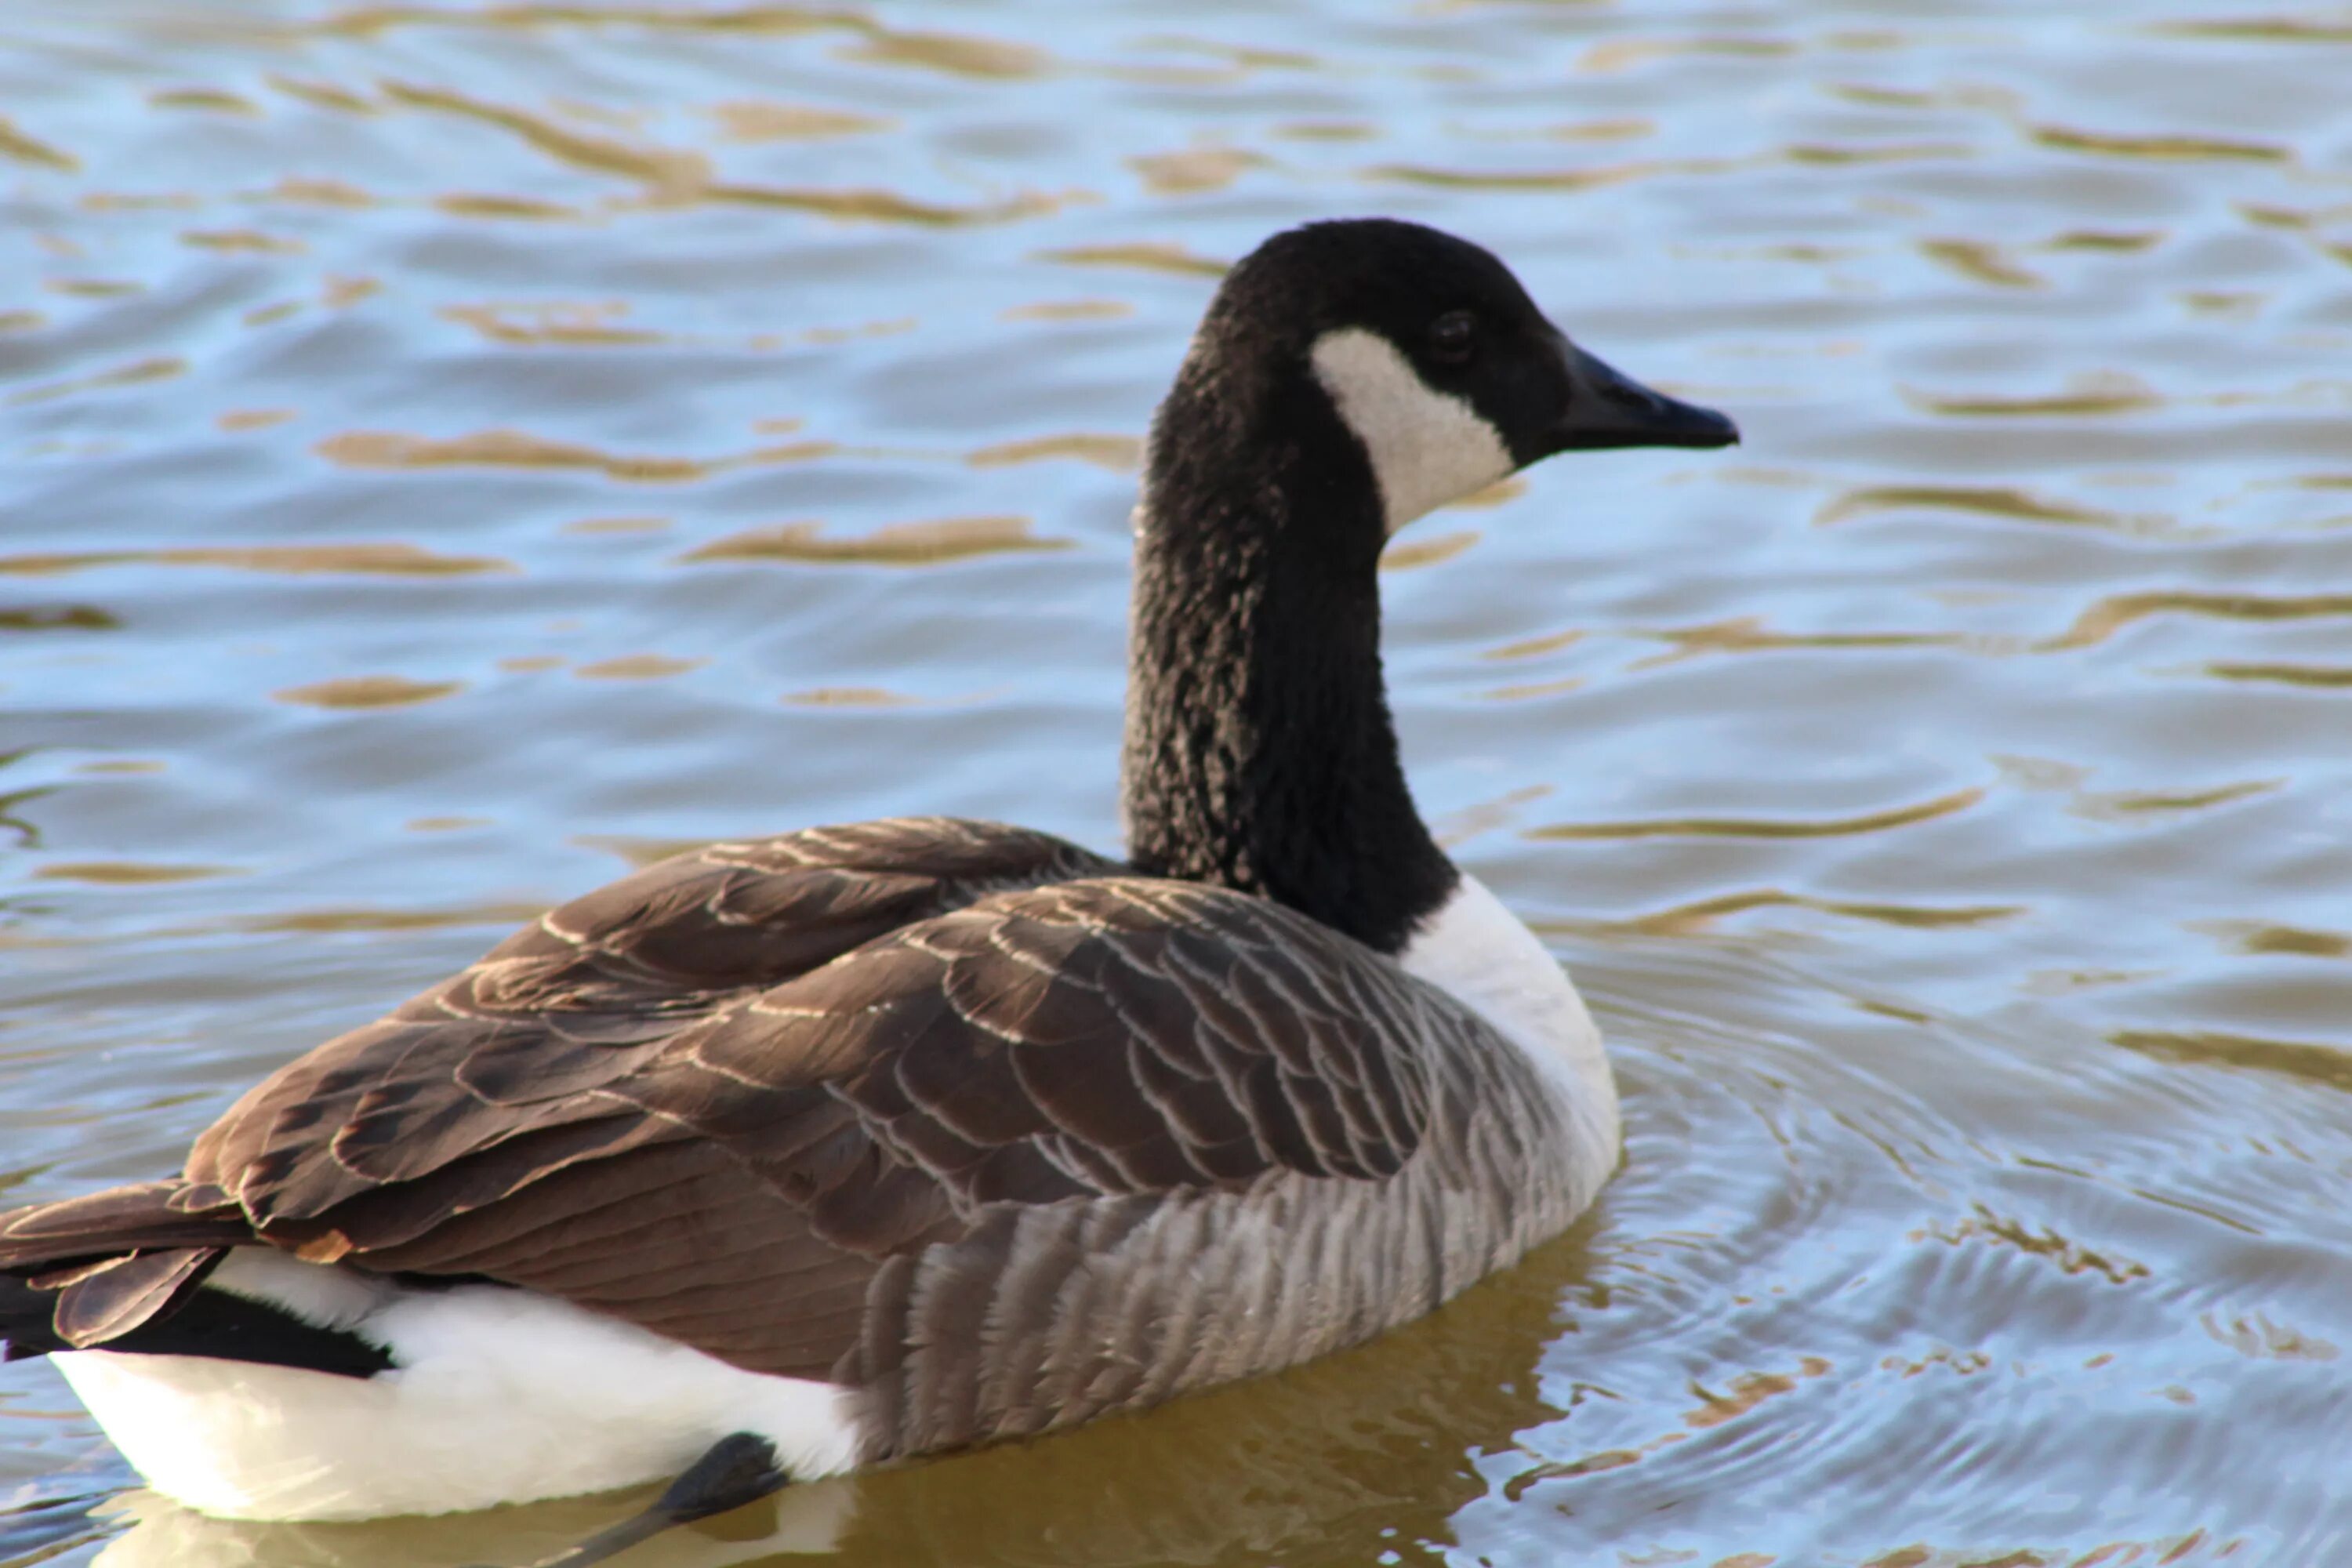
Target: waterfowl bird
[[865, 1141]]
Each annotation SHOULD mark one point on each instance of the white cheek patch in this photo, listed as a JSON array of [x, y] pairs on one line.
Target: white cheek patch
[[1428, 447]]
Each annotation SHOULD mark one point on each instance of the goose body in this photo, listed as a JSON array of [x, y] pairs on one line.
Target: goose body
[[879, 1140]]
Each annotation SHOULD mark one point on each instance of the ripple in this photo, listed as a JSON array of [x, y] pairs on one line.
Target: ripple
[[639, 850], [1119, 454], [1582, 179], [1983, 261], [1989, 500], [888, 206], [848, 697], [138, 373], [1622, 54], [1836, 155], [2272, 214], [520, 209], [244, 241], [953, 54], [290, 560], [540, 323], [2257, 939], [637, 666], [1328, 131], [2308, 1060], [2112, 614], [676, 177], [2264, 29], [236, 419], [895, 544], [2321, 676], [208, 99], [1416, 553], [2105, 242], [759, 120], [1764, 827], [602, 526], [366, 21], [2124, 806], [128, 873], [1687, 920], [662, 169], [1195, 171], [1749, 633], [1536, 648], [1069, 310], [347, 921], [2088, 397], [2259, 1339], [1148, 255], [320, 94], [26, 148], [60, 618], [2070, 1257], [1747, 1391], [2169, 149], [510, 449], [1533, 691], [368, 692]]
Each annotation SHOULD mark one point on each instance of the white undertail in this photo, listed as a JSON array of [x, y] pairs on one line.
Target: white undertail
[[496, 1396]]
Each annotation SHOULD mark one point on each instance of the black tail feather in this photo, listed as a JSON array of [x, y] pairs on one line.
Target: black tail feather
[[206, 1323], [26, 1326]]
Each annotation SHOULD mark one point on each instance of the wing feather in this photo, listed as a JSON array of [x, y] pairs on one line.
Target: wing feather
[[732, 1097]]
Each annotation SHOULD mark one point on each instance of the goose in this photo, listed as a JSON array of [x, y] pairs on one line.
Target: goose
[[795, 1154]]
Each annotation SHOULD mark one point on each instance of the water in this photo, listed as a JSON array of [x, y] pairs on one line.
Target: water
[[452, 451]]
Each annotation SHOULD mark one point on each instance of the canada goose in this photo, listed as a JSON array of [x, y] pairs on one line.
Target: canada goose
[[807, 1153]]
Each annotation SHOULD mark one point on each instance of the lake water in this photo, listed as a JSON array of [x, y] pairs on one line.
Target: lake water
[[450, 451]]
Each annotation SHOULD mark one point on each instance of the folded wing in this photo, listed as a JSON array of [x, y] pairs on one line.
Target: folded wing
[[716, 1099]]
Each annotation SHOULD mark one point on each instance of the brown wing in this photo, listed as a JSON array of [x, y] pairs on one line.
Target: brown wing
[[587, 993], [494, 1062], [734, 1171]]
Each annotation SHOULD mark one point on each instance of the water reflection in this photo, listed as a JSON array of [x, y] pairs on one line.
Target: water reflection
[[458, 449]]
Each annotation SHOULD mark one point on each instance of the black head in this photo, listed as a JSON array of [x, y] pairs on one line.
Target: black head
[[1347, 378], [1438, 362]]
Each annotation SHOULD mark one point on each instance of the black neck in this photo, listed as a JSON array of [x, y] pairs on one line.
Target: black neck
[[1260, 754]]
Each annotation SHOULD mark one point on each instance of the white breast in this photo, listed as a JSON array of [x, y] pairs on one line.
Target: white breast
[[1481, 954]]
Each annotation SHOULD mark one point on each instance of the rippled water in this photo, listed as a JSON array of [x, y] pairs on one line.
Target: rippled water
[[449, 451]]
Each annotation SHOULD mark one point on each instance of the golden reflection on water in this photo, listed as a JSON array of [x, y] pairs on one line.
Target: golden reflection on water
[[893, 544], [368, 692], [1150, 255], [1748, 827], [458, 451], [387, 560], [1992, 500]]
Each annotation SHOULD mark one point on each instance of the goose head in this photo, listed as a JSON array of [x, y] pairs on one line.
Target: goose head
[[1431, 355], [1347, 378]]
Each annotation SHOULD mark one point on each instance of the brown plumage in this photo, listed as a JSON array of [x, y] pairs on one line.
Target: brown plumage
[[721, 1097]]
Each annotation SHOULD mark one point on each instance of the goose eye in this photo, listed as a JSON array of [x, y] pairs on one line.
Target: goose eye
[[1454, 337]]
